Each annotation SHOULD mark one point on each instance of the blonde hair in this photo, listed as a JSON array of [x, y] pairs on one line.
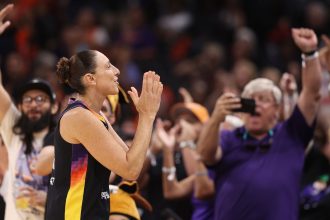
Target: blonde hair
[[262, 85]]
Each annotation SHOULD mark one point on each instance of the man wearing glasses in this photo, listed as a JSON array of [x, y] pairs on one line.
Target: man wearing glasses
[[24, 129], [259, 166]]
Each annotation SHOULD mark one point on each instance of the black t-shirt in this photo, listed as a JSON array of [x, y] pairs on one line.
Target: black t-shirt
[[49, 139], [163, 208]]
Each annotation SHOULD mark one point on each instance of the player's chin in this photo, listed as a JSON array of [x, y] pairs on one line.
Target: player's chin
[[113, 90]]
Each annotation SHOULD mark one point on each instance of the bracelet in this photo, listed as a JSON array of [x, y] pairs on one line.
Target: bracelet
[[170, 171], [309, 56], [191, 144], [201, 173]]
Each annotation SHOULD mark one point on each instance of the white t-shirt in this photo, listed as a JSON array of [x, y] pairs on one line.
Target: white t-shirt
[[20, 171]]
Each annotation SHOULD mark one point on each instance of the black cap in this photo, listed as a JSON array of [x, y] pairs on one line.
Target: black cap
[[37, 84]]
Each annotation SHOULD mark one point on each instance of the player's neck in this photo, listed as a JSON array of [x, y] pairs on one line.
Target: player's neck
[[92, 102]]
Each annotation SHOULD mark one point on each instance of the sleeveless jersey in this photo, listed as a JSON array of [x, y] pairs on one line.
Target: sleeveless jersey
[[79, 186]]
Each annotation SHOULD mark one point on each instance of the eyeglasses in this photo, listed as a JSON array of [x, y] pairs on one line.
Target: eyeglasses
[[264, 100], [27, 100]]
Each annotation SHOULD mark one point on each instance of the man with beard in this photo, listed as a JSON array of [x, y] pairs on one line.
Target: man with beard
[[23, 129]]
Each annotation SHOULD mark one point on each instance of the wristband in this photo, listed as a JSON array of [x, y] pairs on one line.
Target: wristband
[[310, 55], [170, 171], [189, 144]]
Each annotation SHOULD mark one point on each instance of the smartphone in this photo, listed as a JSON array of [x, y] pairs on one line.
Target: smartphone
[[248, 106]]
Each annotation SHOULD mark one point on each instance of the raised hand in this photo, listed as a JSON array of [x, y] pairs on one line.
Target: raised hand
[[168, 138], [149, 101], [288, 84], [305, 39], [156, 144], [188, 131], [224, 106], [3, 13], [185, 95]]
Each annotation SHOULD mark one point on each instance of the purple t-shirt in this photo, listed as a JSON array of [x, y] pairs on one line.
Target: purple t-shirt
[[258, 184], [203, 209]]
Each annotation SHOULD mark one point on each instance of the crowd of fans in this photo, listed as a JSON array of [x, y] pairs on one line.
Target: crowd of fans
[[201, 50]]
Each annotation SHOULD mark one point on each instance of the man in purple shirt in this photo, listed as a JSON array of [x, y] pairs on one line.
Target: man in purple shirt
[[258, 166]]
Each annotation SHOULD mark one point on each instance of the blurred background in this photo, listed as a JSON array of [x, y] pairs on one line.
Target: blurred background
[[206, 46]]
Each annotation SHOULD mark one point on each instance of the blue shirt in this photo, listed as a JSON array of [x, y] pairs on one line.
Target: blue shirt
[[262, 183]]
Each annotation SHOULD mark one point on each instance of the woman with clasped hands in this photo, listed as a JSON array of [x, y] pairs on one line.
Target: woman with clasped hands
[[87, 147]]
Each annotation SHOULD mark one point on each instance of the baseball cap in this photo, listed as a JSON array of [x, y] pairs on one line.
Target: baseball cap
[[37, 84], [199, 111]]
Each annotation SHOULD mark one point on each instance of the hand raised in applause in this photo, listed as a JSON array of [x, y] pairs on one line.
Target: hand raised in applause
[[168, 138], [149, 101], [288, 84]]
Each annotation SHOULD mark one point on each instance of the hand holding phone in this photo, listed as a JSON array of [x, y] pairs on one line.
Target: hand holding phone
[[248, 106]]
